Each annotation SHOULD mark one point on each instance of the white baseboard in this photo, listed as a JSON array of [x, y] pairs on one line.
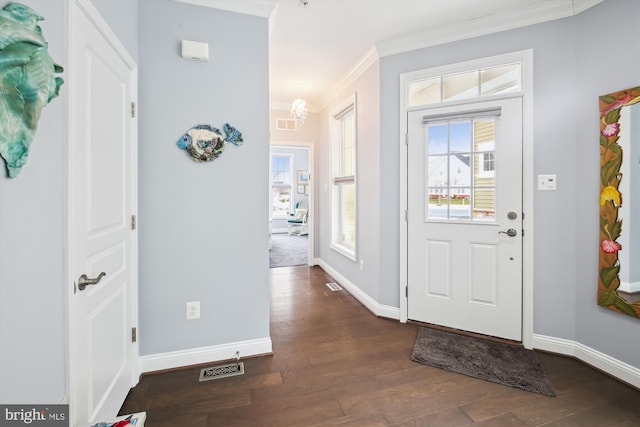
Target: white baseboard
[[629, 287], [614, 367], [195, 356], [371, 304]]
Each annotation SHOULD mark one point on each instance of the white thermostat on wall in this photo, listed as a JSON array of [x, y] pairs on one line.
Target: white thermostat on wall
[[195, 50]]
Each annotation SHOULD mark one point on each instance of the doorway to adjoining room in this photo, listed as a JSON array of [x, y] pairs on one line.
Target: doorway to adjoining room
[[289, 206]]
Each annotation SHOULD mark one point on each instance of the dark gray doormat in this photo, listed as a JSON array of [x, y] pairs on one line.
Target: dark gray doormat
[[497, 362]]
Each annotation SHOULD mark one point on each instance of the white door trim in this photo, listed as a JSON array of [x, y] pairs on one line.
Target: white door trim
[[72, 88], [526, 59], [311, 147]]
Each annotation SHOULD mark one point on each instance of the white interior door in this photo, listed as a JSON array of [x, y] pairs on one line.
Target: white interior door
[[465, 217], [102, 199]]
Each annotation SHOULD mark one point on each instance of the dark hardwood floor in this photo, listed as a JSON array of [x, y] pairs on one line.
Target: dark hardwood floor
[[335, 364]]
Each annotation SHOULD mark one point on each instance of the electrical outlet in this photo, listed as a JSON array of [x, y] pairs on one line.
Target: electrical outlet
[[193, 310]]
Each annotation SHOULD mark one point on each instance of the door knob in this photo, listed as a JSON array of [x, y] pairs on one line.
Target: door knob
[[84, 281], [510, 232]]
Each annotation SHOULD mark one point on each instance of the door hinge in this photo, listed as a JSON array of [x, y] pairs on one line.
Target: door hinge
[[134, 334], [406, 139], [133, 222], [406, 291], [133, 109], [406, 215]]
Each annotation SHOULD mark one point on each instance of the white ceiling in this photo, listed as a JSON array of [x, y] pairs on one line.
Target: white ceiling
[[316, 49]]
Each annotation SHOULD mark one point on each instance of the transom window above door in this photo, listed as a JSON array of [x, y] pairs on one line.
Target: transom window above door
[[465, 85]]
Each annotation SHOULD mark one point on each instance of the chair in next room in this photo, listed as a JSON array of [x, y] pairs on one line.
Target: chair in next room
[[299, 221]]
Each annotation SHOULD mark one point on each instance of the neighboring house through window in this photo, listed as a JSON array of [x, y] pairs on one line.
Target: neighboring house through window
[[344, 149]]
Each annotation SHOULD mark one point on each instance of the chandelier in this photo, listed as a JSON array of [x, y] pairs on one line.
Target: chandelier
[[299, 110]]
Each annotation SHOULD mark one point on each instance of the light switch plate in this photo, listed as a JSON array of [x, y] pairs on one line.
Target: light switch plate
[[547, 182]]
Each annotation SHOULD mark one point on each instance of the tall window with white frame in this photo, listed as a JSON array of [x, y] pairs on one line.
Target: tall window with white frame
[[344, 149], [281, 179]]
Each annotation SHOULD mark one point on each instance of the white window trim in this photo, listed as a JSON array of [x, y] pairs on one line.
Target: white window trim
[[336, 137]]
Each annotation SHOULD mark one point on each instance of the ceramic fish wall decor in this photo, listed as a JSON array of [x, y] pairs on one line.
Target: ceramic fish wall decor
[[27, 82], [206, 143]]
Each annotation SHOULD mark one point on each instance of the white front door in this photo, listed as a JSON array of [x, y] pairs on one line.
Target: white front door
[[465, 217], [102, 199]]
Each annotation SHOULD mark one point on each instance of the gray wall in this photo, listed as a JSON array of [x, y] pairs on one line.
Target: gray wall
[[122, 17], [32, 298], [368, 164], [596, 327], [573, 60], [202, 224]]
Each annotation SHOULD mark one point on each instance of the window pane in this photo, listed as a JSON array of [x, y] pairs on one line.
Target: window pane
[[460, 204], [281, 170], [460, 139], [461, 181], [280, 201], [438, 138], [484, 82], [484, 145], [484, 131], [460, 170], [348, 166], [460, 86], [424, 92], [438, 171], [501, 79], [437, 203], [484, 204], [348, 207], [280, 185], [343, 166]]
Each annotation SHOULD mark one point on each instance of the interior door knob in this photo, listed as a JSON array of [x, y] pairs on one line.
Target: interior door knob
[[84, 281], [510, 232]]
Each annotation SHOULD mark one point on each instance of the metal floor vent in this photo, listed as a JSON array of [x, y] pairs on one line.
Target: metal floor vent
[[222, 371], [334, 286]]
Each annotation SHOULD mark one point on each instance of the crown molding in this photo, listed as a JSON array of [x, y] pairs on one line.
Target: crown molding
[[541, 12], [354, 74], [261, 8]]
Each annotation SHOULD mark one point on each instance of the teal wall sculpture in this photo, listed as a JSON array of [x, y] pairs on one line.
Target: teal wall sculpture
[[27, 82]]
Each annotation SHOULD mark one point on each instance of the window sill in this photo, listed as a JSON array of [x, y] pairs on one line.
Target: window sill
[[344, 251]]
